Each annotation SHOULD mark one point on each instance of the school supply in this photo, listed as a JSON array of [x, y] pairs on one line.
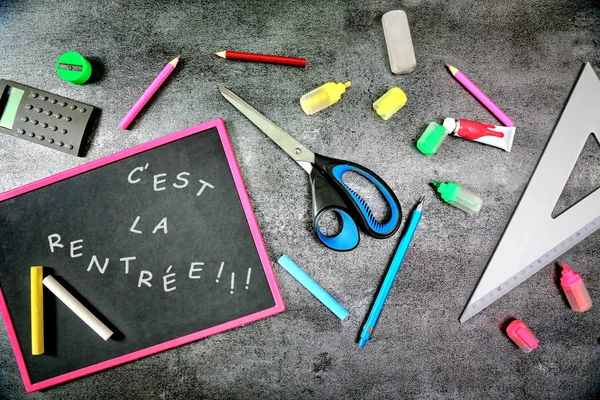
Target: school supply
[[329, 192], [523, 337], [574, 288], [37, 311], [264, 58], [79, 309], [459, 197], [479, 95], [323, 97], [533, 239], [389, 104], [386, 286], [147, 95], [42, 117], [160, 240], [313, 287], [497, 136], [398, 42], [432, 138], [73, 67]]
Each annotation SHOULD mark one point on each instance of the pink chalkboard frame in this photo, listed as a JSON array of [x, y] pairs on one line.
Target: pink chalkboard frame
[[251, 219]]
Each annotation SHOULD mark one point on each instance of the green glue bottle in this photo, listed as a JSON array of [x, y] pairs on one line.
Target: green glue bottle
[[459, 197]]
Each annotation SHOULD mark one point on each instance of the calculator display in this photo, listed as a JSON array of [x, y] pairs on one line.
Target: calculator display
[[9, 103]]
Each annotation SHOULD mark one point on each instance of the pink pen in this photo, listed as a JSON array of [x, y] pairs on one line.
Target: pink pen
[[522, 336], [475, 91], [137, 107]]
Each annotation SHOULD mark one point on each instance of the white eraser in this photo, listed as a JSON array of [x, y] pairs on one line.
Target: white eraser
[[398, 41]]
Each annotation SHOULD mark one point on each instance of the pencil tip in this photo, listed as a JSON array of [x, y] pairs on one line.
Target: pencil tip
[[453, 70], [179, 57], [220, 54], [175, 61]]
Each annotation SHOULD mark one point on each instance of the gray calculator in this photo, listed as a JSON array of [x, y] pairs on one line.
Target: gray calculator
[[43, 118]]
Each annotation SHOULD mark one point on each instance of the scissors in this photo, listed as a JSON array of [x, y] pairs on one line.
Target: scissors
[[329, 192]]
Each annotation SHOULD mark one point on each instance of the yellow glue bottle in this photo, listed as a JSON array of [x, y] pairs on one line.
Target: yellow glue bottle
[[323, 97]]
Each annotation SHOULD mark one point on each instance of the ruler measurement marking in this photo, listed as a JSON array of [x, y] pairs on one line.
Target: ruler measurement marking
[[531, 269]]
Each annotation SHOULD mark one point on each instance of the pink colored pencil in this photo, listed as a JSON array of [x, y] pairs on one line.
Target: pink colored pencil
[[475, 91], [160, 79]]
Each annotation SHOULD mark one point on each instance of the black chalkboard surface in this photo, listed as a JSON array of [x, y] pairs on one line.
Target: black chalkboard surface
[[159, 241]]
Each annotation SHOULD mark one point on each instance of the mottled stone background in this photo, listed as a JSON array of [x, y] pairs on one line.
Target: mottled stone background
[[525, 55]]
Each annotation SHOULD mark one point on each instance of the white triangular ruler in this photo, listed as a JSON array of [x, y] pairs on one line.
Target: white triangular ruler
[[533, 239]]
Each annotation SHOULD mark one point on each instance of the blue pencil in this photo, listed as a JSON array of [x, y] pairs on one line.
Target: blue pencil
[[390, 276]]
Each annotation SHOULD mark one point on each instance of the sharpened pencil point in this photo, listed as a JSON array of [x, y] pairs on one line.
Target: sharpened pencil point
[[453, 70], [175, 61], [220, 54]]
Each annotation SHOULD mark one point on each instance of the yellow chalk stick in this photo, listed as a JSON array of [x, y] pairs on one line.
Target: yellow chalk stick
[[37, 311]]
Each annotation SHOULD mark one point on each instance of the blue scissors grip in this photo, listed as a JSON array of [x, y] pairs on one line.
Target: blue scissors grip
[[346, 239], [378, 227]]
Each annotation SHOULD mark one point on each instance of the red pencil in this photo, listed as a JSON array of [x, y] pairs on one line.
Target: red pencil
[[266, 58]]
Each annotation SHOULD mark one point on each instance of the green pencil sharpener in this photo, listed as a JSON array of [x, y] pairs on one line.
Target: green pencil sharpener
[[73, 67]]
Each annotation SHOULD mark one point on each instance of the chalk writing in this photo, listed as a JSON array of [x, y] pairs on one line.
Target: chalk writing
[[160, 181], [126, 260], [220, 271], [193, 269], [248, 277], [167, 280], [95, 261], [145, 278]]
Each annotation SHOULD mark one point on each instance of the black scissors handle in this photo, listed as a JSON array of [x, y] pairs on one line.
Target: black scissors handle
[[330, 193]]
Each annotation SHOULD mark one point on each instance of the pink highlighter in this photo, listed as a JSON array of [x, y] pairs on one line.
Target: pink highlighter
[[522, 336], [575, 290]]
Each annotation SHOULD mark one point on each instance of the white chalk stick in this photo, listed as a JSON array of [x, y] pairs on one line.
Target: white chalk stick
[[78, 308]]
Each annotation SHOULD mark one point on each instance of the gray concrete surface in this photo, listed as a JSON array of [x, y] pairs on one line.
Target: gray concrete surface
[[525, 54]]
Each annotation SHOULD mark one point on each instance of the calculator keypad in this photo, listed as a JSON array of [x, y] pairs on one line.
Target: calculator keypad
[[48, 119]]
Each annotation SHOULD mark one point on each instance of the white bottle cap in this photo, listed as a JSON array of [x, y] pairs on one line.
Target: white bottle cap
[[450, 125]]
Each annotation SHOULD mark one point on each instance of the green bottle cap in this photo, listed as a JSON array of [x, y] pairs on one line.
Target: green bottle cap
[[431, 140], [72, 67], [448, 190]]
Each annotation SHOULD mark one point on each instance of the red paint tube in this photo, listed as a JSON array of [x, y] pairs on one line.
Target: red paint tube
[[497, 136]]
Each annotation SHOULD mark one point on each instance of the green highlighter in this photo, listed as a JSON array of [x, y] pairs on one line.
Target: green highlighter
[[459, 197], [431, 140], [73, 67]]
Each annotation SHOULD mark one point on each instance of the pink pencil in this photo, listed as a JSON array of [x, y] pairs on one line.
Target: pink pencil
[[137, 107], [475, 91]]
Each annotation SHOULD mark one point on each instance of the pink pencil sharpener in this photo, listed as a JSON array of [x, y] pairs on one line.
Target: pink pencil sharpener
[[522, 336]]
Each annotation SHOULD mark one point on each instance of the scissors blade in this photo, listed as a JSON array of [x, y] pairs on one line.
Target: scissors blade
[[303, 156]]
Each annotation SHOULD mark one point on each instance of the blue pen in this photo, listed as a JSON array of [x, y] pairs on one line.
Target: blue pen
[[391, 275]]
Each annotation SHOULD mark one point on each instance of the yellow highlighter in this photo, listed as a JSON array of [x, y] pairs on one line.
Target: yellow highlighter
[[37, 311]]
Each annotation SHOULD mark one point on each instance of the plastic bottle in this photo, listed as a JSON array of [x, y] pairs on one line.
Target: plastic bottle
[[575, 290], [323, 97], [459, 197]]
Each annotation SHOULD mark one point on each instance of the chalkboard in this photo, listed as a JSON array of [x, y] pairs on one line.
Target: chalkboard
[[159, 241]]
